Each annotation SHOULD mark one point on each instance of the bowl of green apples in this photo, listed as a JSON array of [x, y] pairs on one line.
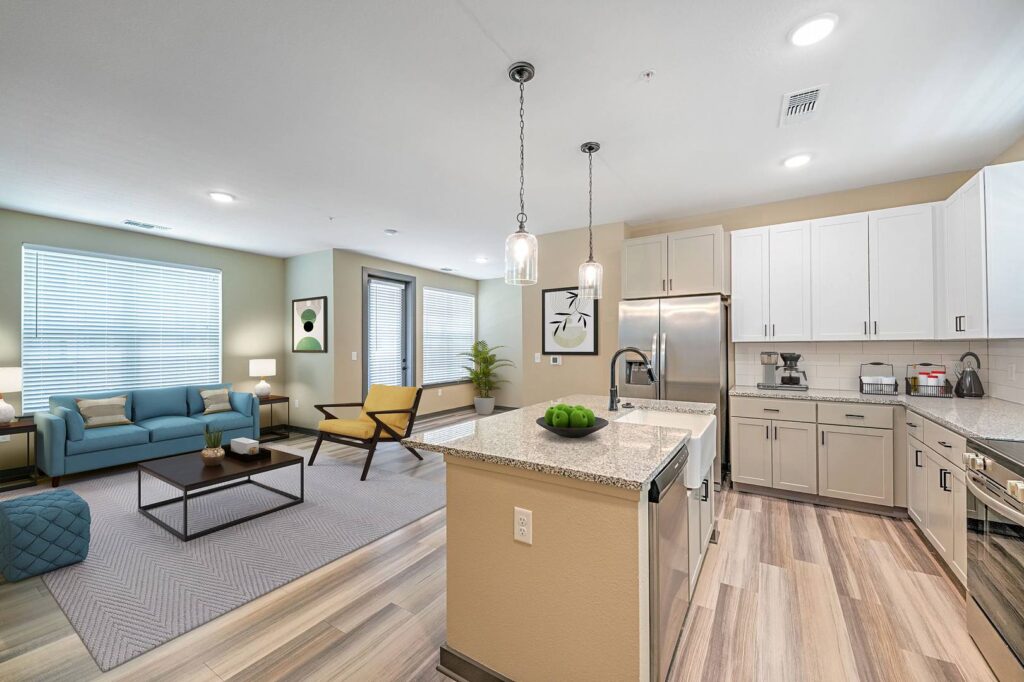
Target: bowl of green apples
[[571, 421]]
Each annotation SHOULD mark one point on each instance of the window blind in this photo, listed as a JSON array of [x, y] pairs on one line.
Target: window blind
[[92, 322], [385, 332], [449, 328]]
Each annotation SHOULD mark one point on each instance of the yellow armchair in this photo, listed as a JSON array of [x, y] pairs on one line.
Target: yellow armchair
[[387, 414]]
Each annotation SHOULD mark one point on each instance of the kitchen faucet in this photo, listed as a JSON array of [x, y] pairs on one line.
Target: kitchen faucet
[[613, 389]]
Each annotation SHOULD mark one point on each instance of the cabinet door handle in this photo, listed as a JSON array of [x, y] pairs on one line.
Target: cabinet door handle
[[917, 459], [865, 327], [876, 326], [767, 433], [854, 416], [766, 331], [663, 285], [822, 437], [776, 429], [945, 444], [942, 480], [670, 283], [704, 491], [773, 330], [769, 409], [913, 426]]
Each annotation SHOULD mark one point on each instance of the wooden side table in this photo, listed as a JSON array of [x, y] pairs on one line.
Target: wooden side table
[[276, 431], [19, 477]]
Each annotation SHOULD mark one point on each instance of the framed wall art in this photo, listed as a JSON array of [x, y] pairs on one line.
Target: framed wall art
[[309, 325], [569, 325]]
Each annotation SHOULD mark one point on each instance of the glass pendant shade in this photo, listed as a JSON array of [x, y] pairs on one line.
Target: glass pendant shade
[[591, 278], [521, 258]]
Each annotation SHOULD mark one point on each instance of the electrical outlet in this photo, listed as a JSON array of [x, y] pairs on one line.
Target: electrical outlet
[[523, 528], [440, 392], [295, 403], [355, 356], [556, 359], [536, 357]]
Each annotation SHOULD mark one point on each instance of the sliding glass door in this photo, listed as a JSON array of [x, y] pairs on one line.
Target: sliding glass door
[[389, 314]]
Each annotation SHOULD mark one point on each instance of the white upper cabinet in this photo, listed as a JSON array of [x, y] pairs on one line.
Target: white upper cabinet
[[789, 282], [750, 289], [645, 267], [902, 278], [965, 310], [696, 262], [677, 264], [839, 278], [1004, 228]]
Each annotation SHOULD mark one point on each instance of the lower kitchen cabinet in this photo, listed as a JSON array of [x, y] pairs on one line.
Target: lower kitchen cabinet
[[917, 481], [939, 503], [855, 463], [794, 457], [750, 451], [701, 520]]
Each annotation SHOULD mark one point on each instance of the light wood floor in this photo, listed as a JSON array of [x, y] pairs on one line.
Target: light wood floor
[[792, 592]]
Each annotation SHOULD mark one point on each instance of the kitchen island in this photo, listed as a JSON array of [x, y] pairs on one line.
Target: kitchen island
[[574, 602]]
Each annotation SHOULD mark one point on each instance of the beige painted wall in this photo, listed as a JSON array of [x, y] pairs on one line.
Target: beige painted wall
[[578, 586], [560, 256], [348, 325], [500, 322], [310, 375], [252, 287], [906, 192]]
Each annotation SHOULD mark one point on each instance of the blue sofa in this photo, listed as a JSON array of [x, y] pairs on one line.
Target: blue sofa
[[166, 421]]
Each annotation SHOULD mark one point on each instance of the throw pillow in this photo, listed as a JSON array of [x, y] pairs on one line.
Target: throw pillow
[[216, 400], [99, 412]]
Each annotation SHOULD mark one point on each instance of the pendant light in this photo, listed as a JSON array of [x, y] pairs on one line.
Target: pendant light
[[521, 246], [591, 272]]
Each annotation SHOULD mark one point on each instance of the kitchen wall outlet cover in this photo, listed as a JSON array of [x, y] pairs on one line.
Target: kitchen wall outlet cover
[[440, 391], [536, 357], [522, 530], [556, 359], [355, 356]]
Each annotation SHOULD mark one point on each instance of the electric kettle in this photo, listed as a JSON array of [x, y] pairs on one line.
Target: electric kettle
[[969, 383]]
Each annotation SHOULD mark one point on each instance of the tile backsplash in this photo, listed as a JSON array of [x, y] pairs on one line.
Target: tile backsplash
[[1005, 375]]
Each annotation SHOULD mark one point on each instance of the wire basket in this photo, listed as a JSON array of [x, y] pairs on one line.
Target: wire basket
[[878, 389], [916, 389]]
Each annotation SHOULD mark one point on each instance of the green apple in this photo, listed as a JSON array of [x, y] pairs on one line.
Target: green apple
[[560, 419], [549, 416], [578, 419]]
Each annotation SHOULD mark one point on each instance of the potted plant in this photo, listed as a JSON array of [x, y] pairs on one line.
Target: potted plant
[[482, 374], [213, 453]]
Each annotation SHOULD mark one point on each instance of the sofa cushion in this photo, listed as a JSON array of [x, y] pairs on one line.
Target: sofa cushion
[[216, 400], [243, 402], [195, 399], [70, 401], [160, 402], [107, 438], [169, 428], [74, 424], [382, 397], [224, 421], [101, 412]]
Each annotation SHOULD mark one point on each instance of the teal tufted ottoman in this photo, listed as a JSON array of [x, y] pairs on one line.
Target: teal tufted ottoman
[[39, 533]]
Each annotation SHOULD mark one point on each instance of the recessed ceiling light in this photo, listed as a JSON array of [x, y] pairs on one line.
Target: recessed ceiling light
[[480, 259], [391, 233], [447, 269], [797, 161], [222, 197], [813, 30], [647, 76]]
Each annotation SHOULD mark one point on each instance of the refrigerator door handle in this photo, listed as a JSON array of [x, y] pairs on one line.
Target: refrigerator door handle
[[662, 375], [657, 365]]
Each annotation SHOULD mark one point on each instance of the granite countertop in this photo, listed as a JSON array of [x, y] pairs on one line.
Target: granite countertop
[[620, 455], [971, 417]]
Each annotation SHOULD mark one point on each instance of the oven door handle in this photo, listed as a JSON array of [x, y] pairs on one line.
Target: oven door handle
[[988, 500]]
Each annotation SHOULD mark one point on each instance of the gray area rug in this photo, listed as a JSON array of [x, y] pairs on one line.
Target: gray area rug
[[141, 587]]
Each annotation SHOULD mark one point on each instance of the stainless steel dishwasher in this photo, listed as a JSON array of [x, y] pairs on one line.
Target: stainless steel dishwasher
[[668, 536]]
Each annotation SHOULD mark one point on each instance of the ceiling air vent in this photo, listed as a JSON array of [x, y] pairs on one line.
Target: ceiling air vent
[[144, 226], [801, 105]]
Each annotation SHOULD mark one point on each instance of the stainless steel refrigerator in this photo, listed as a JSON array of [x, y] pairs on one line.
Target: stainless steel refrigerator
[[687, 340]]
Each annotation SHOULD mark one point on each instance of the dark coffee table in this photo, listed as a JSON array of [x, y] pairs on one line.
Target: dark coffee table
[[188, 474]]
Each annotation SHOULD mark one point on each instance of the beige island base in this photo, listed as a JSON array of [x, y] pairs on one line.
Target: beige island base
[[574, 603]]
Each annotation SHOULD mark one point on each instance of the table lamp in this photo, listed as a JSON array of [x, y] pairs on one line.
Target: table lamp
[[262, 368], [10, 382]]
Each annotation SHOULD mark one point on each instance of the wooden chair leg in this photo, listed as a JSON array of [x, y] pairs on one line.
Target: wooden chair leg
[[316, 448], [418, 455], [369, 458], [55, 481]]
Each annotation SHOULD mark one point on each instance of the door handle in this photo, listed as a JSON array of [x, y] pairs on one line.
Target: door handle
[[767, 433], [942, 480], [663, 367], [876, 326], [945, 444], [773, 329], [776, 429], [766, 331], [704, 491], [822, 437], [769, 409], [913, 426], [865, 327], [663, 285], [917, 459], [854, 416], [670, 284]]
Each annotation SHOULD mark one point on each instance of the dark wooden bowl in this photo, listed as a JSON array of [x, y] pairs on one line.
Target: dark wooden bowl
[[571, 432]]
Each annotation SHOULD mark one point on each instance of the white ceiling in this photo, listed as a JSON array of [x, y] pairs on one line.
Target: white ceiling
[[400, 114]]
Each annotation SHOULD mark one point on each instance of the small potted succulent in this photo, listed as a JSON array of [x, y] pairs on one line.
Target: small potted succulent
[[213, 453], [483, 376]]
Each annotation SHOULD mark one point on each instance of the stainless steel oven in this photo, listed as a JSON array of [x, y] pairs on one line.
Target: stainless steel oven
[[995, 553]]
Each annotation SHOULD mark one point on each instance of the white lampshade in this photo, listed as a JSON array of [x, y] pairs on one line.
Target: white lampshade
[[263, 368], [10, 379]]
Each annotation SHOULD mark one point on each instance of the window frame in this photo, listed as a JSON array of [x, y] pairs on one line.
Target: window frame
[[30, 248], [410, 323], [458, 382]]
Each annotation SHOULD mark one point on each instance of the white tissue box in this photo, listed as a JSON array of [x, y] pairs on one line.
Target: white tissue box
[[244, 446]]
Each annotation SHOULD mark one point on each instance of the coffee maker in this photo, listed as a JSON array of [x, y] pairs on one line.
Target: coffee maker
[[792, 377]]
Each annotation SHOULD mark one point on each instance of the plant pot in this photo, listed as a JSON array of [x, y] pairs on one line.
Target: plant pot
[[484, 406], [212, 456]]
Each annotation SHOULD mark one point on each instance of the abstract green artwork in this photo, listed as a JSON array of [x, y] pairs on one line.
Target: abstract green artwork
[[309, 325]]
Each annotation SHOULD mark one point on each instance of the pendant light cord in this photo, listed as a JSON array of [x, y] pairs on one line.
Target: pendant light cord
[[590, 203], [522, 159]]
